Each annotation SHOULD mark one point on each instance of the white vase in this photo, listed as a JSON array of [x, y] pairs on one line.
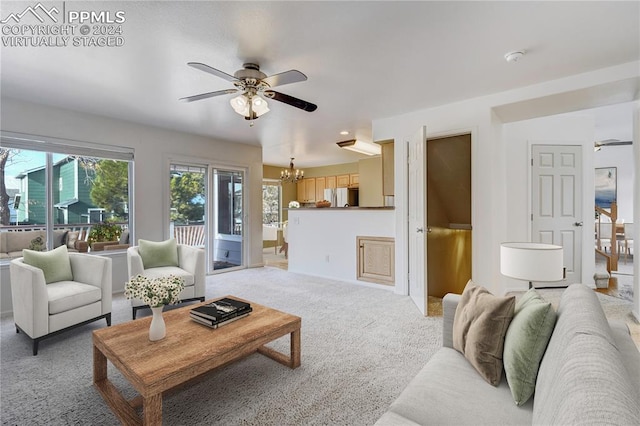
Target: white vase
[[157, 330]]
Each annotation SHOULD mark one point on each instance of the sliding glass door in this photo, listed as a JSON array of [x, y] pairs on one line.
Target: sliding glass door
[[228, 219]]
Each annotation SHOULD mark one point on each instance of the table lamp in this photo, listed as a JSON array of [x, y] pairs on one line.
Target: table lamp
[[532, 262]]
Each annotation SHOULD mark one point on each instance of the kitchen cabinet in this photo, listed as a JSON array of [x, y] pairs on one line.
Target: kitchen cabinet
[[343, 181], [376, 261], [311, 191], [307, 190], [354, 179], [387, 169], [330, 182], [320, 186]]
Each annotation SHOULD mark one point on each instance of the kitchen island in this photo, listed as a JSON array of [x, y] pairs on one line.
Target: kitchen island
[[322, 241]]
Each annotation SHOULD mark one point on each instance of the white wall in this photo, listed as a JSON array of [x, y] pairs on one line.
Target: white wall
[[554, 130], [322, 242], [153, 146], [490, 172]]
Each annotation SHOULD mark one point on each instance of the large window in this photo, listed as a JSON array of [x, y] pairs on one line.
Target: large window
[[271, 200], [188, 202], [59, 192]]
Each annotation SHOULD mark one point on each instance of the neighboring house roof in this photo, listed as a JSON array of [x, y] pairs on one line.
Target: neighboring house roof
[[66, 203], [24, 173]]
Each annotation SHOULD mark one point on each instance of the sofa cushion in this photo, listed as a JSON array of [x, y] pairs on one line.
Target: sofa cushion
[[444, 391], [165, 271], [525, 343], [54, 263], [72, 237], [124, 237], [19, 240], [59, 236], [154, 254], [479, 326], [67, 295], [582, 377]]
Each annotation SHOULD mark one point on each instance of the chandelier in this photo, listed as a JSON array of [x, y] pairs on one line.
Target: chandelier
[[291, 175]]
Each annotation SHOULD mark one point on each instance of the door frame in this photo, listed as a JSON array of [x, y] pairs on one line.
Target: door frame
[[588, 197], [401, 187], [212, 218], [420, 300]]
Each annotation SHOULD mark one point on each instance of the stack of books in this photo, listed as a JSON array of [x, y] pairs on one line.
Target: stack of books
[[220, 312]]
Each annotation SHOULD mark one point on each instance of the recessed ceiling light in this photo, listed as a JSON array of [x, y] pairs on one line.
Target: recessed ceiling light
[[514, 56], [344, 132]]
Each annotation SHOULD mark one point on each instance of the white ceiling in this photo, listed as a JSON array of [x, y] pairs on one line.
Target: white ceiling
[[364, 61]]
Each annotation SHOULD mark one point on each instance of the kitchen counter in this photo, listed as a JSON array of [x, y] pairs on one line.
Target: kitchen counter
[[322, 241], [342, 208]]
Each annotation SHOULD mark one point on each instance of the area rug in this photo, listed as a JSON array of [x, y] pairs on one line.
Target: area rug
[[360, 348]]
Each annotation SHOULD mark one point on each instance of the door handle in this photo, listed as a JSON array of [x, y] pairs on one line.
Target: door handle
[[577, 224]]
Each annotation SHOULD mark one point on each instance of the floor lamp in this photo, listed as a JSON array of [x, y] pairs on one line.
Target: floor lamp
[[532, 262]]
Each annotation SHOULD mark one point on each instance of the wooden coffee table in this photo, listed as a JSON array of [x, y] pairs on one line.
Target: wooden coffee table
[[188, 351]]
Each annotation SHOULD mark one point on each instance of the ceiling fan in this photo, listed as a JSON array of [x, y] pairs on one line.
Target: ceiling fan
[[597, 145], [251, 84]]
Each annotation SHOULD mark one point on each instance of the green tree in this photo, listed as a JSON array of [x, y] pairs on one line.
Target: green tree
[[187, 197], [110, 187]]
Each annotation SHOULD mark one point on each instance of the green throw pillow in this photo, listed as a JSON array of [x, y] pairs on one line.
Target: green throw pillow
[[155, 254], [525, 343], [55, 264]]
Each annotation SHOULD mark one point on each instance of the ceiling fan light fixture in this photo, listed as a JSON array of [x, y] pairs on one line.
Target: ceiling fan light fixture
[[249, 107], [240, 105], [361, 147], [259, 106]]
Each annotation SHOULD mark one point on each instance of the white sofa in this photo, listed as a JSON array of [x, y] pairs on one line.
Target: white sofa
[[590, 374], [13, 242]]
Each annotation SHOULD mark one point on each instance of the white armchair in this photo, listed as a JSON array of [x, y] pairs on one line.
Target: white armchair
[[42, 310], [191, 268]]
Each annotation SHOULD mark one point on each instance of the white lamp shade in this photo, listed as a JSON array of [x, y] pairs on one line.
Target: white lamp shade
[[259, 106], [532, 261], [240, 104]]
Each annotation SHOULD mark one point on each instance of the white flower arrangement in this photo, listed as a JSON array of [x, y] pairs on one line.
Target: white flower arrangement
[[154, 292], [294, 205]]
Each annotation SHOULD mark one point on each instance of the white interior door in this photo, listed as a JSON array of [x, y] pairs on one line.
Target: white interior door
[[417, 208], [557, 216]]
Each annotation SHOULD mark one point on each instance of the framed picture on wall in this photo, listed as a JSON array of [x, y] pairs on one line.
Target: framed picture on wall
[[606, 186]]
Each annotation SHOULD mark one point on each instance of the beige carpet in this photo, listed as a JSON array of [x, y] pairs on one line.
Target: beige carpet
[[360, 348]]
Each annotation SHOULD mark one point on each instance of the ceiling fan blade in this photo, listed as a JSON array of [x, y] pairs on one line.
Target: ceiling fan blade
[[287, 77], [612, 142], [208, 95], [211, 70], [298, 103]]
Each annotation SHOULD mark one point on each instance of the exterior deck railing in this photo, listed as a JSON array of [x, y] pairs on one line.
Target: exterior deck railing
[[191, 235]]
